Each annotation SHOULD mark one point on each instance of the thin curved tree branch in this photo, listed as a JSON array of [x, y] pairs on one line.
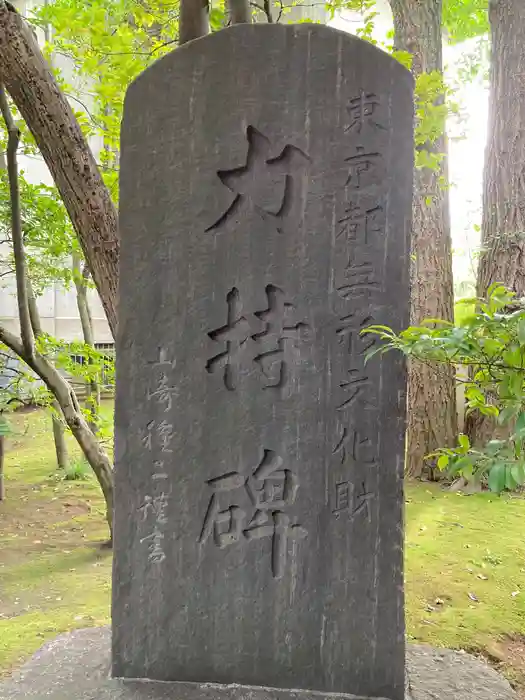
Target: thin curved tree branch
[[13, 139]]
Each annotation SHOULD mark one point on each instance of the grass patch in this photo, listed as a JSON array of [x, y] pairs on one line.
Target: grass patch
[[54, 574], [465, 559], [465, 567]]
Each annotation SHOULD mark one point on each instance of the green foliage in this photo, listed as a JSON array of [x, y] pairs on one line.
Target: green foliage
[[48, 235], [464, 19], [76, 470], [77, 359], [490, 341], [20, 386], [433, 104], [365, 7]]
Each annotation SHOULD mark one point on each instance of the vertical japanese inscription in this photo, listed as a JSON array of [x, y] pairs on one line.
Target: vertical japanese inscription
[[157, 437], [360, 226], [270, 185]]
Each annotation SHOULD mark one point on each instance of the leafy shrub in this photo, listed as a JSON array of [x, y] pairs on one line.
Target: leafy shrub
[[76, 470], [490, 341]]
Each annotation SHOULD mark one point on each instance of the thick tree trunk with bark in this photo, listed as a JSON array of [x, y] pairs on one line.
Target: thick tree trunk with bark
[[432, 417], [503, 224], [28, 79]]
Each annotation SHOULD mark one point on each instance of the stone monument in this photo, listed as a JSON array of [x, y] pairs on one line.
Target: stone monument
[[266, 185], [265, 205]]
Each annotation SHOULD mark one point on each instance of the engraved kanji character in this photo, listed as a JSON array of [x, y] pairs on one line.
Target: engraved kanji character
[[275, 525], [283, 338], [147, 437], [358, 224], [362, 502], [350, 442], [349, 330], [235, 335], [353, 387], [270, 489], [146, 507], [156, 552], [163, 361], [359, 278], [342, 443], [163, 391], [155, 506], [343, 491], [361, 109], [165, 433], [216, 518], [358, 164], [159, 476], [270, 486], [271, 186]]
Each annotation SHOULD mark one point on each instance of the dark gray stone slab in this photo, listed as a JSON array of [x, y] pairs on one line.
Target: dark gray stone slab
[[265, 202], [75, 666]]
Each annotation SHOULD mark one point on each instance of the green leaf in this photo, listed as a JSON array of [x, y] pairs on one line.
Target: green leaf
[[518, 473], [464, 442], [494, 446], [520, 424], [507, 414], [497, 478], [443, 461], [510, 482], [521, 331]]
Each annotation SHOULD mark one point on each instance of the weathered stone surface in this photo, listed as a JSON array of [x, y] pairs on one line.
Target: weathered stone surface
[[266, 183], [442, 674], [76, 667]]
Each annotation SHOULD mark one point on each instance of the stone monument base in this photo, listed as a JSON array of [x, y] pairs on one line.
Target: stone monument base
[[75, 666]]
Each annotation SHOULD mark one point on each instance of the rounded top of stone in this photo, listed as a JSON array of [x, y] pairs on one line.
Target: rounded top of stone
[[271, 39]]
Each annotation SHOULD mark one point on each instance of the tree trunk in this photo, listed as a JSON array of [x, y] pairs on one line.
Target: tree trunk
[[193, 20], [13, 140], [240, 11], [92, 402], [29, 81], [59, 436], [503, 224], [59, 433], [432, 417]]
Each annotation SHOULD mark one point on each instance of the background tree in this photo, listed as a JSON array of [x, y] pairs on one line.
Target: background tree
[[432, 417], [502, 256]]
